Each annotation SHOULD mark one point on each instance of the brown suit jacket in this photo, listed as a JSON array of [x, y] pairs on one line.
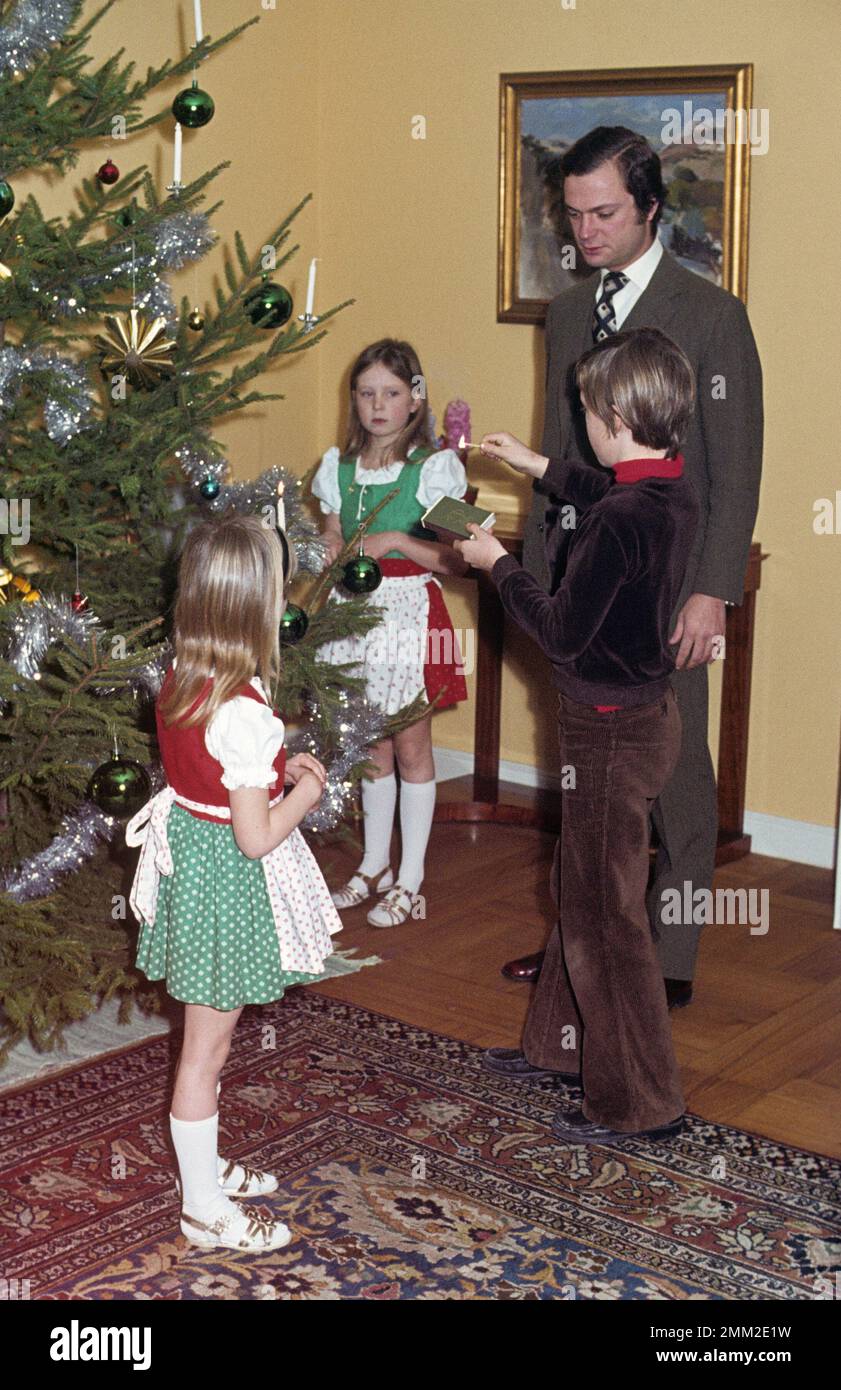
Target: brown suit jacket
[[723, 447]]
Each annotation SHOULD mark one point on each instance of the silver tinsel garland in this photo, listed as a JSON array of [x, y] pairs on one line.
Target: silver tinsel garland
[[148, 678], [157, 299], [79, 837], [181, 238], [203, 459], [178, 239], [33, 629], [34, 26], [360, 725], [63, 418], [35, 626]]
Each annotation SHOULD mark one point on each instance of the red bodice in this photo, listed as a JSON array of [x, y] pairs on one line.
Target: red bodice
[[190, 769]]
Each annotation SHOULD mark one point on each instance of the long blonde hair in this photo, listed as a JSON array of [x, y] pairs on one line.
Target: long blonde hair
[[231, 596], [401, 359]]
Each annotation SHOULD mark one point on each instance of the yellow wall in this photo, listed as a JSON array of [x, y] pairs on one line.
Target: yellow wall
[[320, 96]]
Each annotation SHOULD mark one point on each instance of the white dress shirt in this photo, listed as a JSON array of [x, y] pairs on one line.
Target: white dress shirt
[[639, 272]]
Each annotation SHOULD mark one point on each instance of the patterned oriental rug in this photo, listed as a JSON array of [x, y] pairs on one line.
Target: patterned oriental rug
[[407, 1172]]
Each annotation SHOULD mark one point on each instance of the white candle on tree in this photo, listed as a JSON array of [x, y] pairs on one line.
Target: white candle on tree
[[176, 171], [311, 289], [199, 29]]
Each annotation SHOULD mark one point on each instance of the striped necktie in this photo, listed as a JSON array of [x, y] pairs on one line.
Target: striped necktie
[[604, 317]]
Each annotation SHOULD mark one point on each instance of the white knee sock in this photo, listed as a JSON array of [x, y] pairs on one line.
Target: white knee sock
[[417, 807], [195, 1148], [379, 798]]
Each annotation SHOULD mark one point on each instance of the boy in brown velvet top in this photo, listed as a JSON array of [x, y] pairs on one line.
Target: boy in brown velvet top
[[603, 1013]]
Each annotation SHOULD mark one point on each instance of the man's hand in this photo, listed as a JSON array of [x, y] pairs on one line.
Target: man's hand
[[699, 622], [482, 550], [501, 445]]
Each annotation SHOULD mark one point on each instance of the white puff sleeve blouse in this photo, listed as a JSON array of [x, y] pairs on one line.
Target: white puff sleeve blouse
[[245, 736], [325, 484], [441, 475]]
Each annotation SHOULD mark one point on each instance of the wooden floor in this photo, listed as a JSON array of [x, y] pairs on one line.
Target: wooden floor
[[760, 1045]]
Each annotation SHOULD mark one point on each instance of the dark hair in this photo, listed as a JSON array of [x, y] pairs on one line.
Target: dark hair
[[646, 379], [638, 163], [401, 359]]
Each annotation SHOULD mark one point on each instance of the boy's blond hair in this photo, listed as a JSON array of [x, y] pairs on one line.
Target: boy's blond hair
[[644, 378]]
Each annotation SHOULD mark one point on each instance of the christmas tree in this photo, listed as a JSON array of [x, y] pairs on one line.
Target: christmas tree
[[108, 397]]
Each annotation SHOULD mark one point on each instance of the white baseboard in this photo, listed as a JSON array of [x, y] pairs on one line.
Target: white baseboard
[[772, 835], [791, 839]]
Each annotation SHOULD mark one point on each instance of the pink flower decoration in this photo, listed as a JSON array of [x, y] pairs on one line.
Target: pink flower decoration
[[456, 423]]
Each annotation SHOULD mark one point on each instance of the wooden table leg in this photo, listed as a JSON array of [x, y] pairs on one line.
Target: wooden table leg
[[734, 724], [491, 630], [486, 806]]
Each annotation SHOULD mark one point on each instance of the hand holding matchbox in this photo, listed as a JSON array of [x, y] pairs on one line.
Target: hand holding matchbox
[[449, 517]]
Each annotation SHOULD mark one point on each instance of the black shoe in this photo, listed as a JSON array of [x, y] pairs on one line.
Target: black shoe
[[509, 1061], [577, 1129], [678, 993], [526, 969]]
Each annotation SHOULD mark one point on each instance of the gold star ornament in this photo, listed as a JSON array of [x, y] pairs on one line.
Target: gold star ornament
[[136, 347], [11, 581]]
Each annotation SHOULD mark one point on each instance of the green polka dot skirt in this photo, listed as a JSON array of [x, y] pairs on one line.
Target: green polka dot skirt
[[214, 939]]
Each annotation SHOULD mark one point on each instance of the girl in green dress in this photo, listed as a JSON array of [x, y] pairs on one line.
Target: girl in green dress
[[413, 650], [232, 905]]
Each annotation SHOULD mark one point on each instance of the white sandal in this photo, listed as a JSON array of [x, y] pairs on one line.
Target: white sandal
[[365, 885], [253, 1183], [240, 1230], [394, 908]]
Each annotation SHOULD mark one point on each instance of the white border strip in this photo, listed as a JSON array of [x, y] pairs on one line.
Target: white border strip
[[772, 835]]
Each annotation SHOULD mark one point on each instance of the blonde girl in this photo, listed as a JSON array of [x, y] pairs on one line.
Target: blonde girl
[[232, 905]]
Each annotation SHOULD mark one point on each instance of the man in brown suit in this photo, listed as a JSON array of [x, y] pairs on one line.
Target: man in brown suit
[[613, 194]]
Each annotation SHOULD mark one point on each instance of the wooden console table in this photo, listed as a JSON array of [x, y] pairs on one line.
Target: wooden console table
[[485, 804]]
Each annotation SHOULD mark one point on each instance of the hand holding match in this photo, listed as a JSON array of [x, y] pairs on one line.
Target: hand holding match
[[504, 446]]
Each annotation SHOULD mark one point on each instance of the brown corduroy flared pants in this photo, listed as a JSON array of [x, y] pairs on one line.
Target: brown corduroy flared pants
[[599, 1004]]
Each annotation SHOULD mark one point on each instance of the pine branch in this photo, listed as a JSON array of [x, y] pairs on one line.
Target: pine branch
[[55, 106]]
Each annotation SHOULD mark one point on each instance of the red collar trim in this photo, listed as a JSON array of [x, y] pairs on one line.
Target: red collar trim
[[634, 470]]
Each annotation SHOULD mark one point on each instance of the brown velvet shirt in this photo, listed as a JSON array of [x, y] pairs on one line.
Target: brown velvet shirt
[[605, 626]]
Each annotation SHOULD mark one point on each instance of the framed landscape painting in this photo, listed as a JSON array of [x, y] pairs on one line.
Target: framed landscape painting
[[698, 119]]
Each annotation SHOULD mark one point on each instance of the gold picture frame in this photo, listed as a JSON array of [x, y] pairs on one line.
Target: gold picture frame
[[541, 113]]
